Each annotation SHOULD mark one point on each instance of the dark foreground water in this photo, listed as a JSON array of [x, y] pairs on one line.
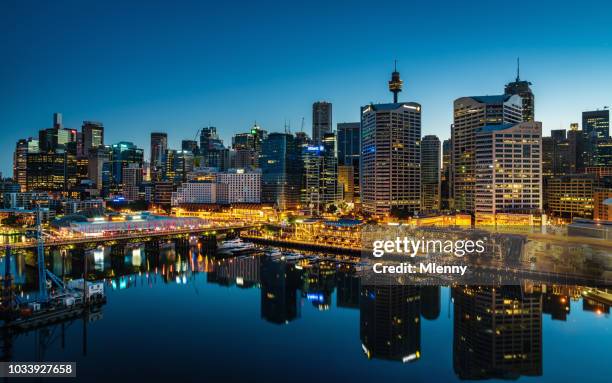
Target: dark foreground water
[[178, 315]]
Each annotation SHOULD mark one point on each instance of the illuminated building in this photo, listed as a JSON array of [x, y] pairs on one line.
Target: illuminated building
[[159, 146], [602, 202], [321, 121], [430, 173], [190, 146], [390, 323], [346, 185], [122, 155], [390, 158], [349, 149], [20, 160], [132, 179], [570, 195], [497, 333], [92, 136], [508, 170], [231, 187], [58, 138], [446, 176], [212, 151], [281, 169], [522, 89], [50, 171], [162, 193], [320, 185], [597, 121], [72, 206], [242, 186], [470, 114], [178, 164], [99, 170]]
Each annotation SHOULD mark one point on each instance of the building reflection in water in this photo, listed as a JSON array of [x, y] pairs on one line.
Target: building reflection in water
[[390, 325], [497, 332], [279, 298]]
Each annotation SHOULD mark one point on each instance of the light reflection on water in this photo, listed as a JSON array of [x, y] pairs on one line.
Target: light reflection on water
[[174, 312]]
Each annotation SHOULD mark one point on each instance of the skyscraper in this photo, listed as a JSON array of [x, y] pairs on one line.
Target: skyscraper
[[430, 173], [446, 175], [281, 171], [191, 146], [122, 155], [508, 170], [349, 149], [57, 138], [597, 121], [212, 150], [20, 161], [159, 146], [471, 113], [522, 89], [390, 158], [92, 135], [321, 120]]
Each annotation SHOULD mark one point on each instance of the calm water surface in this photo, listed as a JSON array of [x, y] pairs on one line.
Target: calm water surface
[[198, 318]]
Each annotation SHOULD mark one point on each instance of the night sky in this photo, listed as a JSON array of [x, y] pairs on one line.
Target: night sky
[[177, 66]]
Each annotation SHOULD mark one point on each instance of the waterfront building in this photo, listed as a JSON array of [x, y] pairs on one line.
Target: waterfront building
[[197, 192], [281, 168], [349, 149], [430, 173], [242, 186], [26, 200], [571, 195], [390, 178], [159, 147], [92, 134], [321, 121], [162, 193], [470, 114], [508, 170], [73, 206]]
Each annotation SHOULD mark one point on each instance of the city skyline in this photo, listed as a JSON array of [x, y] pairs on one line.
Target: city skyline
[[132, 94]]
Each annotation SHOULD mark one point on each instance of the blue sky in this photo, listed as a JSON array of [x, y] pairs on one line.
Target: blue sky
[[177, 66]]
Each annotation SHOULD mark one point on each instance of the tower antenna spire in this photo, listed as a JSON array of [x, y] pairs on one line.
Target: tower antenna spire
[[395, 85], [518, 68]]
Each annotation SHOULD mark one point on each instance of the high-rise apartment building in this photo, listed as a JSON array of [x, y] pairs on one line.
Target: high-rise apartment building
[[132, 179], [430, 173], [391, 156], [470, 114], [123, 155], [508, 170]]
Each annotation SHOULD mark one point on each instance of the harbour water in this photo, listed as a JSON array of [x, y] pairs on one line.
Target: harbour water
[[175, 313]]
